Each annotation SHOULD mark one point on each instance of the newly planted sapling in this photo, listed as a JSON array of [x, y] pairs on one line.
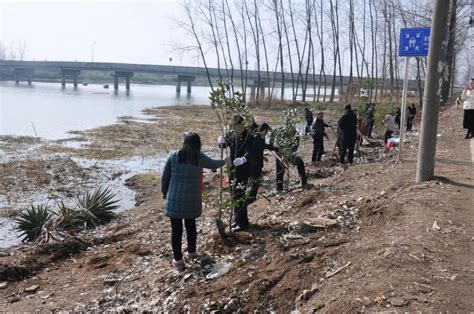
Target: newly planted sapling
[[229, 104], [286, 139]]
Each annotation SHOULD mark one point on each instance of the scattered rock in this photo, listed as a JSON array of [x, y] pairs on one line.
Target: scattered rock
[[425, 289], [3, 284], [233, 305], [32, 289], [4, 254], [398, 301], [14, 299], [110, 282]]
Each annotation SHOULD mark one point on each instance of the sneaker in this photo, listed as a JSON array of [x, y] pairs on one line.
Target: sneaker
[[191, 256], [178, 265]]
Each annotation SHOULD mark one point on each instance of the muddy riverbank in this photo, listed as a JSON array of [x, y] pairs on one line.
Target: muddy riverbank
[[38, 171]]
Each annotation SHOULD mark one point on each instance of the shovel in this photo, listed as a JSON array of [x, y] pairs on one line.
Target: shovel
[[219, 223]]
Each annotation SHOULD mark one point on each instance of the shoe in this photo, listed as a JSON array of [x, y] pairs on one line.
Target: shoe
[[178, 265], [233, 225], [191, 256], [240, 228]]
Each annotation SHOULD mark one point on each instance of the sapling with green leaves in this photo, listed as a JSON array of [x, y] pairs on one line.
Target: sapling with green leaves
[[227, 105], [286, 139]]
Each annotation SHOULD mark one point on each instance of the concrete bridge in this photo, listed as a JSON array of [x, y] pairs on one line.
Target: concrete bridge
[[71, 70]]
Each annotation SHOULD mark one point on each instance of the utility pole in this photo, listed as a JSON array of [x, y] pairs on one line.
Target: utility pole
[[431, 98]]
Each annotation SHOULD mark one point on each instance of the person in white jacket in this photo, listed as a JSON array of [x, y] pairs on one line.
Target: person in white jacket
[[468, 106]]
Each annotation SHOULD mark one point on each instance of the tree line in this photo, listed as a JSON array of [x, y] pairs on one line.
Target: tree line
[[319, 41]]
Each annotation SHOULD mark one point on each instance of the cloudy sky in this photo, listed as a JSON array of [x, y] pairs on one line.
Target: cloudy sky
[[138, 31]]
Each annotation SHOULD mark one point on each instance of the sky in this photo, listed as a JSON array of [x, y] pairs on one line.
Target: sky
[[138, 31]]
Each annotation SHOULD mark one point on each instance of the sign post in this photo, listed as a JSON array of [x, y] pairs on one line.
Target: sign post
[[414, 42]]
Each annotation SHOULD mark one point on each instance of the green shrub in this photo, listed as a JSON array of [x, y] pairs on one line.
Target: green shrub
[[97, 208], [31, 221]]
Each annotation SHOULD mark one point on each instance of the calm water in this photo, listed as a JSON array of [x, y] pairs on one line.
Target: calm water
[[54, 111]]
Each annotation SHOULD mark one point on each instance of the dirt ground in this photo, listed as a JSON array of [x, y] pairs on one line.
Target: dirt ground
[[363, 238]]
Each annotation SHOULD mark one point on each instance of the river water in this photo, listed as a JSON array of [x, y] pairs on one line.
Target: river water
[[52, 111], [48, 111]]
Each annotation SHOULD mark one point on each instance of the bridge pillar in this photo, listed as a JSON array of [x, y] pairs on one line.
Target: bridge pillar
[[252, 93], [24, 72], [127, 83], [72, 73], [260, 85], [184, 78], [188, 88], [127, 75]]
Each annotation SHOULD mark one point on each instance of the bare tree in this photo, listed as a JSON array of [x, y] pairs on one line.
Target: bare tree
[[3, 51], [21, 51]]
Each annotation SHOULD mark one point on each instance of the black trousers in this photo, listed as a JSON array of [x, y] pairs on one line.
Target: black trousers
[[177, 235], [410, 123], [368, 128], [280, 172], [254, 182], [307, 128], [387, 136], [239, 199], [318, 148], [347, 148]]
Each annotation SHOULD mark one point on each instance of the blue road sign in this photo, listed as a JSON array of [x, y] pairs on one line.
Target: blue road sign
[[414, 41]]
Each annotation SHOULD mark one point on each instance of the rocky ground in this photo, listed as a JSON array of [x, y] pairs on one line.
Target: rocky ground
[[363, 238]]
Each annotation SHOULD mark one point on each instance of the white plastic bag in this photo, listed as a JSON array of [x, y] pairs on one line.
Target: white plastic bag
[[219, 269]]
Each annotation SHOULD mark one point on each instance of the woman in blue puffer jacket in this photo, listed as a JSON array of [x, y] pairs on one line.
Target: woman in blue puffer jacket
[[181, 187]]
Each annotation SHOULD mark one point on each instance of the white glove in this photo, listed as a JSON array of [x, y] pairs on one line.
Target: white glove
[[221, 140], [240, 161]]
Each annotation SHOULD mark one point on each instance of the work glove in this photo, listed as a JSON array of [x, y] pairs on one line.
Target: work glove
[[240, 161], [221, 140]]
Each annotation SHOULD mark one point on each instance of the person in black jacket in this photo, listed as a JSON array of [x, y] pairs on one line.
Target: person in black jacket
[[318, 137], [257, 147], [348, 131], [398, 115], [309, 120], [370, 112], [411, 116], [239, 141]]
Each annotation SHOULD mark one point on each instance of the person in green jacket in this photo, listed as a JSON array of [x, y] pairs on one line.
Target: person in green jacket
[[181, 188]]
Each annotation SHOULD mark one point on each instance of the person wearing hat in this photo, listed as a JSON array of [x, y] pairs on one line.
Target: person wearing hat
[[468, 106], [348, 129]]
